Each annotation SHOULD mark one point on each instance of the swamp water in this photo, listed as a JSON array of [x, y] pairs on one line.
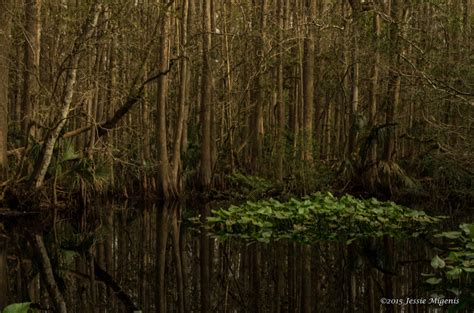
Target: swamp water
[[161, 262]]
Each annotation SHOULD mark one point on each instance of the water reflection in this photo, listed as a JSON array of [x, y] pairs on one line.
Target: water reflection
[[148, 257], [171, 268]]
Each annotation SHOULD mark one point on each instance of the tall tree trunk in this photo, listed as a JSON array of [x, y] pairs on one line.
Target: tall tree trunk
[[32, 62], [205, 171], [393, 102], [256, 94], [466, 21], [280, 95], [183, 94], [166, 187], [308, 82], [355, 68], [5, 25], [374, 89]]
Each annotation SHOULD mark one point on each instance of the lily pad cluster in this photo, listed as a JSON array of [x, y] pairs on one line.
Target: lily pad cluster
[[317, 217], [454, 269]]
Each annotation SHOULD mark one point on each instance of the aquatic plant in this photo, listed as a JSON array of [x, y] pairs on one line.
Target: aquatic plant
[[320, 216], [454, 267]]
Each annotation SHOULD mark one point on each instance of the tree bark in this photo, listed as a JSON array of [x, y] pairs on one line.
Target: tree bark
[[280, 95], [166, 189], [5, 25], [32, 62], [205, 171], [257, 91], [308, 82], [355, 69], [394, 79], [183, 94], [374, 89]]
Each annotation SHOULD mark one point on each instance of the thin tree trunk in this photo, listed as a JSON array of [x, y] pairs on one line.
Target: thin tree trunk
[[256, 90], [183, 74], [167, 190], [372, 153], [394, 82], [355, 68], [31, 61], [5, 25], [308, 82], [205, 171], [280, 96]]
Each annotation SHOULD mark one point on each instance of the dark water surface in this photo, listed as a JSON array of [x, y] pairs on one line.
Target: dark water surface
[[164, 265]]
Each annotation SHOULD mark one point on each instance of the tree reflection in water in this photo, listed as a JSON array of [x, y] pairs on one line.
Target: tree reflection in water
[[159, 262]]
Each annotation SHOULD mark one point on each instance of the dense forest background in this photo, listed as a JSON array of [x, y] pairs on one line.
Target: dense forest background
[[230, 100], [177, 95]]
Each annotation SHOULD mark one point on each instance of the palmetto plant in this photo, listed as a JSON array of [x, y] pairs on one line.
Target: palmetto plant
[[78, 172]]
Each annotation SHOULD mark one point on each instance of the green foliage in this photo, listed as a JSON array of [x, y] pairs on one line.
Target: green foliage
[[77, 243], [320, 216], [75, 171], [451, 178], [86, 173], [305, 179], [250, 186], [392, 175], [17, 308], [453, 270]]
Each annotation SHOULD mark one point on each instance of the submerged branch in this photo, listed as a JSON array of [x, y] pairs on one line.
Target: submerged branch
[[125, 298]]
